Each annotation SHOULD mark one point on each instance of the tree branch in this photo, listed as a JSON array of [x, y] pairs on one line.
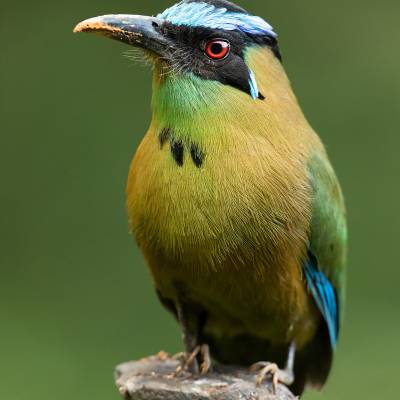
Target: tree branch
[[152, 379]]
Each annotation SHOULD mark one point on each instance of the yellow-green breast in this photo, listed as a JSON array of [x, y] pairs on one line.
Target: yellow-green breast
[[231, 230]]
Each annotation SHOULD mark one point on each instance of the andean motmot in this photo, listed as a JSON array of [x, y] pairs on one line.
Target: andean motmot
[[231, 196]]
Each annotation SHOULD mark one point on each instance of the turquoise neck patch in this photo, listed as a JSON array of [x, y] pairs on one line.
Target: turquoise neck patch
[[253, 85]]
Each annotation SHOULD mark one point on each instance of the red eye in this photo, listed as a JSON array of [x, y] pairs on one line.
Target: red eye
[[217, 49]]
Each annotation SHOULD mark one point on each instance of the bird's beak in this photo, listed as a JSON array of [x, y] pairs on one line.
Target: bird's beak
[[136, 30]]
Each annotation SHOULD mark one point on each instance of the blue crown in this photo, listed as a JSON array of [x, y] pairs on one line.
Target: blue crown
[[200, 14]]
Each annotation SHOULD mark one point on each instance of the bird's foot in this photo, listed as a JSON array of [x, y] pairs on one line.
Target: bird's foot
[[206, 364], [198, 361], [271, 370]]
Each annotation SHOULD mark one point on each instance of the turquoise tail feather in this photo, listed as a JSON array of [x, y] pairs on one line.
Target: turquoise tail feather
[[325, 297]]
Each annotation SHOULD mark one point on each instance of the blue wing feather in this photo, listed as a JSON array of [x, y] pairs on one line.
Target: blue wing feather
[[324, 295]]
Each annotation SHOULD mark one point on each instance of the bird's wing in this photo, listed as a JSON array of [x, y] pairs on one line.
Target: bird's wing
[[324, 269]]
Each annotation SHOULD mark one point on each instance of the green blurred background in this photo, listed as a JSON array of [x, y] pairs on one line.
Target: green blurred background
[[75, 296]]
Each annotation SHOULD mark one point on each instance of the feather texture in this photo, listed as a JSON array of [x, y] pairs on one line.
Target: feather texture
[[199, 14], [235, 231], [253, 85], [325, 297]]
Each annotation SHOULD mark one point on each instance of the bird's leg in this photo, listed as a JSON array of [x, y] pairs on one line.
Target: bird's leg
[[268, 369], [196, 357], [189, 340]]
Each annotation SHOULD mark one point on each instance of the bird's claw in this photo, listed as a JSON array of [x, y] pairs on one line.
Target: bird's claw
[[268, 369], [189, 361], [205, 365]]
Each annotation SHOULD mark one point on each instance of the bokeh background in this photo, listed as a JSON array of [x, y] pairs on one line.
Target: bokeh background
[[75, 296]]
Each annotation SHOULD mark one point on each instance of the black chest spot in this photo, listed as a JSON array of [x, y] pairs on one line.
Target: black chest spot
[[197, 155], [177, 151], [178, 148], [164, 137]]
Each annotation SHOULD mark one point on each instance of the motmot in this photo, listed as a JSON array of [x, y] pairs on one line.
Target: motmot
[[231, 195]]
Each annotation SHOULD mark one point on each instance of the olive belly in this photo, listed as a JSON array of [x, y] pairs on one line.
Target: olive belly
[[220, 238]]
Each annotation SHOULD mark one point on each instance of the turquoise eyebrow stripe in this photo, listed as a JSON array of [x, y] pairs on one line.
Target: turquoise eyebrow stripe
[[208, 16]]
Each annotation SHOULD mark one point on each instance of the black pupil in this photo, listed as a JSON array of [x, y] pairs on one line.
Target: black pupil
[[216, 48]]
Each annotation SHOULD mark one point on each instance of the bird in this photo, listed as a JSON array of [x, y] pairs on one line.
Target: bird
[[231, 196]]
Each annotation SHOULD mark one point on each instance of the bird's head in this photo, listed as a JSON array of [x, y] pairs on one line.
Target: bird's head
[[200, 49]]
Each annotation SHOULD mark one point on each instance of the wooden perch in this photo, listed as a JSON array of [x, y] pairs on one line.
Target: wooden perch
[[152, 379]]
